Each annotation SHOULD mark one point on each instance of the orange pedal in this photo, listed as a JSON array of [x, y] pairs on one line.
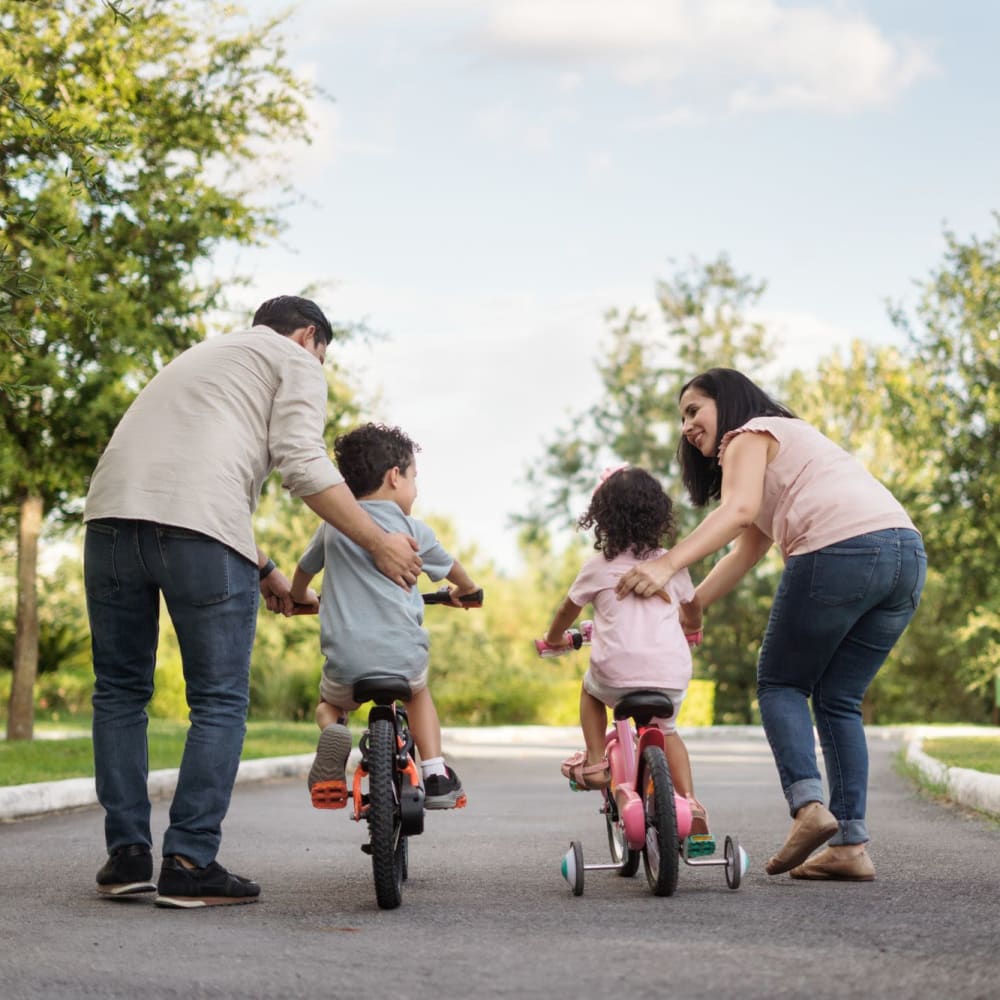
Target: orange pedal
[[329, 794]]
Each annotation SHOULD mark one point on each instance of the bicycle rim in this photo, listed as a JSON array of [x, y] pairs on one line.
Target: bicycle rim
[[660, 854], [621, 854], [385, 827]]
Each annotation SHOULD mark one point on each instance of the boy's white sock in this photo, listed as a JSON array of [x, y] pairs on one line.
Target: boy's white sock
[[433, 765]]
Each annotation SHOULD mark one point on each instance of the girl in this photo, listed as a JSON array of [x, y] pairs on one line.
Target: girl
[[637, 644]]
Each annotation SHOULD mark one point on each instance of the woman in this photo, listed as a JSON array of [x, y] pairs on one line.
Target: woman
[[854, 570]]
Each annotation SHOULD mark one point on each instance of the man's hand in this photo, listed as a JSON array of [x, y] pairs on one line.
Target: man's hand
[[277, 592], [396, 557]]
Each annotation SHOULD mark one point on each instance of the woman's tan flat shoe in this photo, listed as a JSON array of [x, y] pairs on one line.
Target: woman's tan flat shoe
[[812, 827], [828, 865]]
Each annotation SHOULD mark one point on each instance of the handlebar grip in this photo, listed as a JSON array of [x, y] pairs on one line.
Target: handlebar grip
[[473, 600], [575, 641]]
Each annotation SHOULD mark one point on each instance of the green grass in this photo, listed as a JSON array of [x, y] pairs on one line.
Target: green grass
[[27, 761], [978, 753]]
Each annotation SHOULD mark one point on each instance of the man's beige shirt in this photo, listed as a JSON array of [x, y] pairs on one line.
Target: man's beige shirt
[[194, 448]]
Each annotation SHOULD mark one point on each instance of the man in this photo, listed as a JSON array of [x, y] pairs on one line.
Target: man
[[169, 512]]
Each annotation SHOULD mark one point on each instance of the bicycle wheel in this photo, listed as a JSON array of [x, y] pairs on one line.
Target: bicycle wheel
[[385, 826], [660, 855], [621, 854]]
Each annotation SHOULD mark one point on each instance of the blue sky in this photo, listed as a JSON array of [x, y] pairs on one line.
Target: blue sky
[[492, 175]]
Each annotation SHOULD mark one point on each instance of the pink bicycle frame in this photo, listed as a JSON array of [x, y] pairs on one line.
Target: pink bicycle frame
[[624, 757]]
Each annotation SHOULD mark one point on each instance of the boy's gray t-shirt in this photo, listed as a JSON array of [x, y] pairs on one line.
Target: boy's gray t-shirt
[[368, 623]]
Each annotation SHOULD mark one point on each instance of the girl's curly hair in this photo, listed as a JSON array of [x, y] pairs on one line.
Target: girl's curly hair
[[629, 511], [367, 453]]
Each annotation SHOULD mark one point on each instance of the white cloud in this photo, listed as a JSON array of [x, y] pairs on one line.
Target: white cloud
[[741, 55]]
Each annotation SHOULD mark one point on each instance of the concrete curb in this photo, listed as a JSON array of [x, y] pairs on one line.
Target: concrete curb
[[968, 788]]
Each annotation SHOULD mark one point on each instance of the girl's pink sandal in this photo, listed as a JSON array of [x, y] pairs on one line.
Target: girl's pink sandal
[[583, 776]]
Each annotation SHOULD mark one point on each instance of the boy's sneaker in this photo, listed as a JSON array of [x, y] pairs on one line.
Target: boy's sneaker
[[443, 791], [127, 871], [328, 774], [187, 888]]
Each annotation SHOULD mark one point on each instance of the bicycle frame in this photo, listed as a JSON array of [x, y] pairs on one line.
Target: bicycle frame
[[624, 749]]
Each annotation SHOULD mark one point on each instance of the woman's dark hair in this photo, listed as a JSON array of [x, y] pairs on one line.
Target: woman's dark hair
[[737, 400], [288, 313], [367, 453], [629, 511]]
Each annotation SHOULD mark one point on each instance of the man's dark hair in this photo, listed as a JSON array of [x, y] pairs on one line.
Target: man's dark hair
[[367, 453], [629, 512], [737, 400], [288, 313]]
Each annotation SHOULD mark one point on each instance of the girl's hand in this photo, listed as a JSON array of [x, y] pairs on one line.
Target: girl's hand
[[646, 578], [691, 620]]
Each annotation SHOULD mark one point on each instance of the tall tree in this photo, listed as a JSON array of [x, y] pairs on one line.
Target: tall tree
[[952, 427], [185, 99]]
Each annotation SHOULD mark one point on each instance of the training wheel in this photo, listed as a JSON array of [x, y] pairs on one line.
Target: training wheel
[[572, 867], [737, 862]]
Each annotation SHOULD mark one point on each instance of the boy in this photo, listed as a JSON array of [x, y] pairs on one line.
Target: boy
[[368, 624]]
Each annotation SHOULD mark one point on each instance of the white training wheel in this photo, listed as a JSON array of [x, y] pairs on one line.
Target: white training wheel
[[737, 862], [572, 867]]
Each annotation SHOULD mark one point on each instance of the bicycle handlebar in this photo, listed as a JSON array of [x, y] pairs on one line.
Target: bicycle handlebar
[[473, 600], [583, 636]]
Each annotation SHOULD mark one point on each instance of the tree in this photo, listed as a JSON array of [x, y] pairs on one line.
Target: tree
[[952, 424], [163, 118], [704, 321]]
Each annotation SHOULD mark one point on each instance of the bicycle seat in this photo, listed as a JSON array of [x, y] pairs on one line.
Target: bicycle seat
[[643, 706], [383, 689]]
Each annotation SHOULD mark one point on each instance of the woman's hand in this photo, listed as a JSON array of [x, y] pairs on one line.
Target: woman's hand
[[646, 578]]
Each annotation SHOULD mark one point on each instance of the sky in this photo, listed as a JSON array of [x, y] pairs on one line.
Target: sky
[[490, 177]]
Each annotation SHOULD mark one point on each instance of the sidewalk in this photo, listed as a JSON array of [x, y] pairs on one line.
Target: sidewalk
[[968, 788]]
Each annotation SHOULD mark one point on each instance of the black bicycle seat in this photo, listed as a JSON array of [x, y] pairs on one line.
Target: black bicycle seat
[[383, 689], [643, 706]]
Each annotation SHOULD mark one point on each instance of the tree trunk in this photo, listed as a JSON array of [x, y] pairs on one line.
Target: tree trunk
[[21, 715]]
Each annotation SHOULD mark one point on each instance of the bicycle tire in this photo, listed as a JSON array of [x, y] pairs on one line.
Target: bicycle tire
[[621, 853], [385, 825], [661, 851]]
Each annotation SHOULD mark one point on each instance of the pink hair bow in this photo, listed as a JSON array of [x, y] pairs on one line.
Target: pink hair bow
[[608, 473]]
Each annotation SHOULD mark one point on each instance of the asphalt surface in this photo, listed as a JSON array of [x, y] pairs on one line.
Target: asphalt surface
[[486, 913]]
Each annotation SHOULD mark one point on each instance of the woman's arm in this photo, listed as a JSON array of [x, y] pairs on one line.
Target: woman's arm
[[744, 465], [750, 547]]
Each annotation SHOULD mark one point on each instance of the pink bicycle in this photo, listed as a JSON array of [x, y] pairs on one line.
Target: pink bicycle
[[644, 816]]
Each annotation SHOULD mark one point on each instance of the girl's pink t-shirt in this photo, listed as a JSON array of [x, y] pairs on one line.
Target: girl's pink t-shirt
[[815, 493], [638, 641]]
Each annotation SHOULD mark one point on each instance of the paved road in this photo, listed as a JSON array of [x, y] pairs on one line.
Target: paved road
[[486, 913]]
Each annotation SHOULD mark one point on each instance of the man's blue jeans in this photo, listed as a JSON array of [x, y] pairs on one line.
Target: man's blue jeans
[[212, 595], [837, 614]]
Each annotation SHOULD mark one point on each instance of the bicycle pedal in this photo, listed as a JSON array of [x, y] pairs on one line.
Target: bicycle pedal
[[699, 845], [329, 794]]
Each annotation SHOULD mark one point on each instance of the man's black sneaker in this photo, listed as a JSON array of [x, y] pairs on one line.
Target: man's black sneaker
[[188, 888], [127, 871], [443, 791]]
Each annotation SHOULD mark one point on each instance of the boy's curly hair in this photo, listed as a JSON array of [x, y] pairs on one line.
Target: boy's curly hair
[[367, 453], [629, 511]]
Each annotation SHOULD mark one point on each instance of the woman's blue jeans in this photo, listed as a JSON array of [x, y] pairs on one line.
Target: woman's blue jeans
[[211, 594], [837, 614]]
